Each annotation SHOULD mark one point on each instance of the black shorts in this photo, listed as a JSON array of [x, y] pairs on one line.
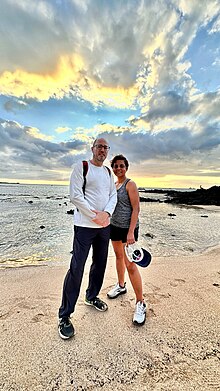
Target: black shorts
[[120, 234]]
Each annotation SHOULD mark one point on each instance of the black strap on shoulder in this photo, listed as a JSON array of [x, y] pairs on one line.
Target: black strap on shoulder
[[85, 170], [108, 170]]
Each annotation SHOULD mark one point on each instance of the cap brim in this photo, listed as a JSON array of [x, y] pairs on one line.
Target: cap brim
[[145, 256], [146, 260]]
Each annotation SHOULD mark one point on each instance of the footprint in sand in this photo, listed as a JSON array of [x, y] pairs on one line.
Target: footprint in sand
[[151, 313], [38, 318], [125, 303], [4, 315], [177, 281], [155, 298]]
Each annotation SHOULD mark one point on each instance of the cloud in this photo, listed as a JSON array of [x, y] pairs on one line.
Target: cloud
[[27, 151], [34, 132], [216, 26], [13, 105], [168, 104], [120, 60], [62, 129], [132, 56], [216, 63]]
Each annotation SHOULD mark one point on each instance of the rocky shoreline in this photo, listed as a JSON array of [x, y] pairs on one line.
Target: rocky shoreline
[[200, 196]]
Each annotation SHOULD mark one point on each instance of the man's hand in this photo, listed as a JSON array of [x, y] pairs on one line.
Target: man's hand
[[101, 218]]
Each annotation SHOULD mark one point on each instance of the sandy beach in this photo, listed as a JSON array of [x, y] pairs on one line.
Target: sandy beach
[[178, 348]]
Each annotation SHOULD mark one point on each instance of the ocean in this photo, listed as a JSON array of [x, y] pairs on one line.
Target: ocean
[[36, 228]]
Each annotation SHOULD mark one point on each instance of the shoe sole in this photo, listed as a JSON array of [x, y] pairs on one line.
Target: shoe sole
[[64, 336], [139, 324], [118, 294], [98, 309]]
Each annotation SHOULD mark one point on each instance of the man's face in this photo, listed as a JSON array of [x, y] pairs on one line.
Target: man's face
[[100, 150]]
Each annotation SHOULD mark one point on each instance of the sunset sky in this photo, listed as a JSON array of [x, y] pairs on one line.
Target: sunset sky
[[145, 75]]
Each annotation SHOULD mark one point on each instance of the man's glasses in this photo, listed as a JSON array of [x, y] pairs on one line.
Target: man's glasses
[[119, 166], [100, 146]]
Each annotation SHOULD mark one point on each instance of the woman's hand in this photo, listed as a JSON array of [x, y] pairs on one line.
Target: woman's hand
[[130, 238]]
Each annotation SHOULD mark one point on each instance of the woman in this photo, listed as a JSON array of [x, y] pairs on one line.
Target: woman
[[124, 231]]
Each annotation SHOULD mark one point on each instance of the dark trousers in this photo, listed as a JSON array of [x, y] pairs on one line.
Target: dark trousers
[[84, 238]]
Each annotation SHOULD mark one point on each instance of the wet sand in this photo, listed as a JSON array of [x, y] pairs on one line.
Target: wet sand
[[178, 348]]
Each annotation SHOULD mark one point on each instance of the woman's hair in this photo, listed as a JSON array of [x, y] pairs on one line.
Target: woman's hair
[[119, 157]]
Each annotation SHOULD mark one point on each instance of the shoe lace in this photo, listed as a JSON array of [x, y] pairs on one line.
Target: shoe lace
[[96, 300], [64, 322], [139, 308]]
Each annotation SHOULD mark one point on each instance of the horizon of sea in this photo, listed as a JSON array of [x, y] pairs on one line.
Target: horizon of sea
[[36, 228]]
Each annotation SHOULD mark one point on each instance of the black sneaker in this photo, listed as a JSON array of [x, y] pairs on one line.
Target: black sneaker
[[97, 303], [65, 328]]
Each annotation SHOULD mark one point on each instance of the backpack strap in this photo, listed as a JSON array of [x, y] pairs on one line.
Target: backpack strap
[[85, 170], [109, 171]]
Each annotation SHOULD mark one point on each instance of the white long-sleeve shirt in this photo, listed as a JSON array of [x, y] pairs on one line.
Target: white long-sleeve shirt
[[100, 193]]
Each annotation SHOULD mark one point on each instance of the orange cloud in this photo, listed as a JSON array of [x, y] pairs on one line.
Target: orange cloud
[[68, 78]]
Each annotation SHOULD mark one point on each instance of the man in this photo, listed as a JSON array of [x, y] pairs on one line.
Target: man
[[95, 204]]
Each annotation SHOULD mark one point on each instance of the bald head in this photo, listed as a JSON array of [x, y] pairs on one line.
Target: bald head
[[100, 141], [100, 151]]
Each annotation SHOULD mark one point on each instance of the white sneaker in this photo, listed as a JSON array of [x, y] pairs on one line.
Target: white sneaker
[[116, 291], [140, 313]]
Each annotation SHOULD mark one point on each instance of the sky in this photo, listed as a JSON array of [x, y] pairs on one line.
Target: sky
[[145, 75]]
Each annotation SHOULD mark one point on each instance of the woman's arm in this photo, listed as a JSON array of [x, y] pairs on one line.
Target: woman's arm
[[135, 204]]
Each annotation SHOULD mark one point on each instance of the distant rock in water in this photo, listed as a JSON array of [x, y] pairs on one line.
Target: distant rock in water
[[42, 226], [204, 216], [201, 196], [144, 199], [70, 212], [30, 202], [171, 214]]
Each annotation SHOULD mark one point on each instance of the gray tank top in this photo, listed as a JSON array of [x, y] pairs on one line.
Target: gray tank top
[[121, 216]]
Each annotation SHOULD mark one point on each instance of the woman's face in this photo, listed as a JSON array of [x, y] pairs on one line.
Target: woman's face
[[119, 168]]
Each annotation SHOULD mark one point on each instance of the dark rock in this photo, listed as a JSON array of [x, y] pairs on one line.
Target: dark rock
[[65, 203], [30, 202], [144, 199], [200, 196], [158, 191], [204, 216], [42, 226], [70, 212], [149, 235], [171, 214]]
